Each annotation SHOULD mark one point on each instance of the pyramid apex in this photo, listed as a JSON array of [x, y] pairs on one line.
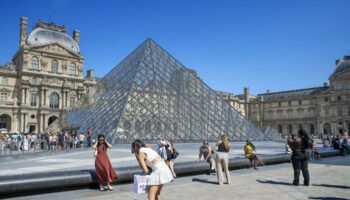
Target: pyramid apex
[[149, 39]]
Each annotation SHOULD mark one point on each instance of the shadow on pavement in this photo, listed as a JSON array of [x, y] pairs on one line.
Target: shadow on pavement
[[204, 181], [332, 186], [327, 198], [273, 182]]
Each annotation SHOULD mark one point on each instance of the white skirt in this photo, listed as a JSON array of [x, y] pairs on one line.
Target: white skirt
[[161, 174]]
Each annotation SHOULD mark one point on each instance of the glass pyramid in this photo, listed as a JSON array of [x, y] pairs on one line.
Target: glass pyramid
[[150, 94]]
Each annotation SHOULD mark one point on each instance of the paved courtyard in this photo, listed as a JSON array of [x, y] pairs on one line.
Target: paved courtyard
[[329, 180], [120, 156]]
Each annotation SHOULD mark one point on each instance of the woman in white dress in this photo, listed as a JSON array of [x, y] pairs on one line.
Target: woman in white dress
[[160, 175]]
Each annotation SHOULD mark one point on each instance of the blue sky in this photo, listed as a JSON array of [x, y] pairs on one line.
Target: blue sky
[[263, 44]]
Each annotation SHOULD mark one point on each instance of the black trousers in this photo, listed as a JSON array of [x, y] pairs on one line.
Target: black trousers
[[300, 162]]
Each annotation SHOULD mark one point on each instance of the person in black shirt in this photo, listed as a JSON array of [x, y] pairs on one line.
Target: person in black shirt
[[299, 157], [223, 147]]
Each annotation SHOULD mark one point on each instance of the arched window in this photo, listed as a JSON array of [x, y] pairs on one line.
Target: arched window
[[35, 62], [72, 69], [54, 100], [54, 66]]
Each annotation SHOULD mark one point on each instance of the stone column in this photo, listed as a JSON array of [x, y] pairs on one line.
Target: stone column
[[42, 96], [27, 96], [24, 122], [63, 100], [45, 98], [44, 122], [66, 99], [23, 96]]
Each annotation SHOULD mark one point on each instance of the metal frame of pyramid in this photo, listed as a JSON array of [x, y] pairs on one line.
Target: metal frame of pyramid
[[150, 94]]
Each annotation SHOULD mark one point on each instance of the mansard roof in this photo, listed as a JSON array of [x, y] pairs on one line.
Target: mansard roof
[[291, 94]]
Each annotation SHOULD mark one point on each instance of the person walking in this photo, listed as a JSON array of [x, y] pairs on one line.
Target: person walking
[[223, 147], [81, 140], [165, 151], [88, 137], [299, 158], [206, 153], [104, 170], [161, 173]]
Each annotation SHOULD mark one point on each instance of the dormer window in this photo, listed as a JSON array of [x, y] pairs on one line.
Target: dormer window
[[72, 69], [54, 66], [35, 62]]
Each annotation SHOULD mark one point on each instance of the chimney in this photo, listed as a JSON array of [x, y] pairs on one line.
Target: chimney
[[76, 36], [90, 73], [337, 61], [268, 91], [23, 31]]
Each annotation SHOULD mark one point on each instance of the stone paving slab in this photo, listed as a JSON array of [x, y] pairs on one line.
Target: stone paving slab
[[329, 180]]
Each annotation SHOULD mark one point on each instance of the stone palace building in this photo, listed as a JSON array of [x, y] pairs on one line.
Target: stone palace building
[[319, 110], [43, 80]]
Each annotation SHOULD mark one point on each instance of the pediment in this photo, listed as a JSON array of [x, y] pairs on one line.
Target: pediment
[[55, 48]]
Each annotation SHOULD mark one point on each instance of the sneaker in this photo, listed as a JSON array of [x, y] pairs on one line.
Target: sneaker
[[102, 188], [110, 187]]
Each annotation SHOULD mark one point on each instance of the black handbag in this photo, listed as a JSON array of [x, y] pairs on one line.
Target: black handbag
[[175, 154]]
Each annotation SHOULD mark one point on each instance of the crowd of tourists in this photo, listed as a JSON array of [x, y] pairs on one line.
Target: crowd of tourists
[[158, 162], [342, 143], [44, 141]]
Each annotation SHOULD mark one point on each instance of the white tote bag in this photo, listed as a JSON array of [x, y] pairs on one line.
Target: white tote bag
[[140, 184]]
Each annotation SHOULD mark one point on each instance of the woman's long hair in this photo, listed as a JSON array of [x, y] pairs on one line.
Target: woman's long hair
[[305, 138], [98, 137], [137, 145], [224, 140], [249, 142]]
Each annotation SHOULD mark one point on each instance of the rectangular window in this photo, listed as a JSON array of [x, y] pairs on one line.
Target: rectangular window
[[3, 81], [3, 98], [326, 111], [326, 99], [339, 98], [33, 99], [72, 101], [300, 102], [34, 81]]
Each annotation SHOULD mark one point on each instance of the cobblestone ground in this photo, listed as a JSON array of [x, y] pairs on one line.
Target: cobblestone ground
[[329, 180]]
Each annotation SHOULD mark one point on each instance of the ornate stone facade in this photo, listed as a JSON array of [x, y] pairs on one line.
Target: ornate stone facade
[[319, 110], [44, 80]]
